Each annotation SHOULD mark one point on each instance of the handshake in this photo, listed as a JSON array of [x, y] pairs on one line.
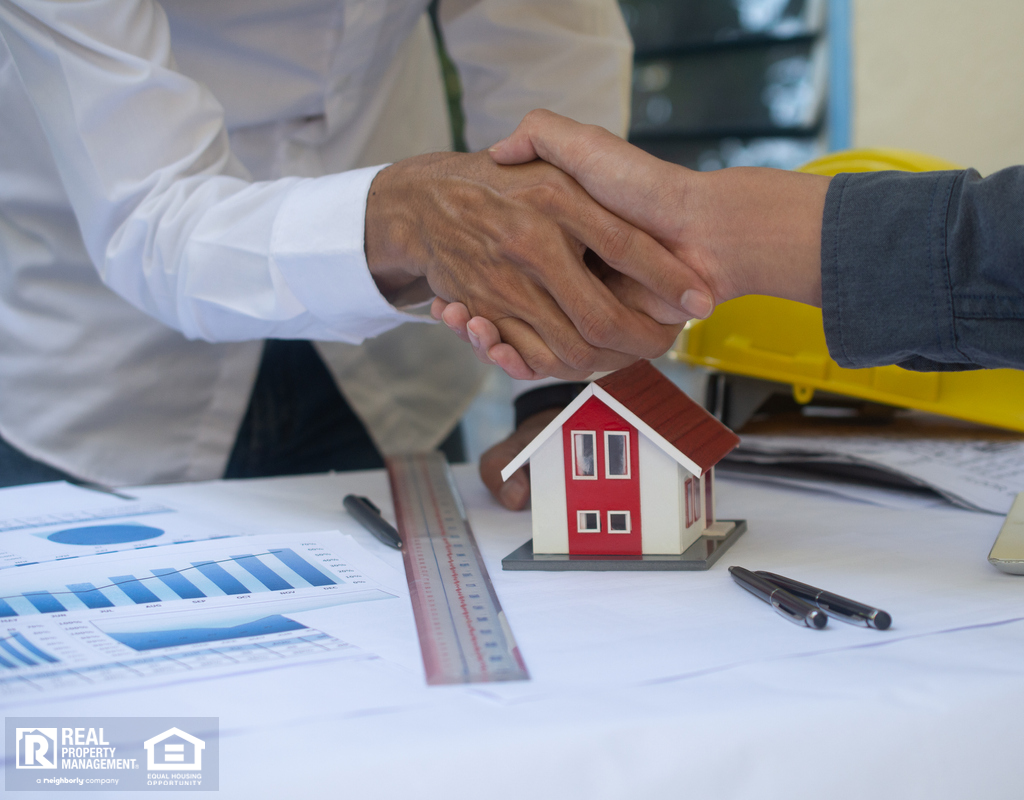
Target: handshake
[[564, 250]]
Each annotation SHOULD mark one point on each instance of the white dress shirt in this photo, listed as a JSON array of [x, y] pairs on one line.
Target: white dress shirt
[[181, 180]]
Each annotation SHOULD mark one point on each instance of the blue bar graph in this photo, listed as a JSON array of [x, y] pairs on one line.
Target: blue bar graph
[[243, 574], [262, 572], [134, 588], [11, 651], [178, 583], [44, 602], [5, 663], [225, 581], [303, 568], [90, 595], [33, 649]]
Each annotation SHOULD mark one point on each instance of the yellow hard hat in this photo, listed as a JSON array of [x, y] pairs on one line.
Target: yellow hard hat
[[784, 341]]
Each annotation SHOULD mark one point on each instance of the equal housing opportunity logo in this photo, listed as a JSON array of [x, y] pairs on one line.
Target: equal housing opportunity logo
[[112, 753]]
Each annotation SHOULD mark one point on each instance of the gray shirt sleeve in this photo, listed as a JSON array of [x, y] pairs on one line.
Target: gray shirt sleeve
[[924, 270]]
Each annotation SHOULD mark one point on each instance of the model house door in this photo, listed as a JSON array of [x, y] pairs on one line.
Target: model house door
[[602, 483]]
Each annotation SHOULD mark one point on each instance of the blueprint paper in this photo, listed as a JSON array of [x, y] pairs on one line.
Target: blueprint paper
[[979, 475]]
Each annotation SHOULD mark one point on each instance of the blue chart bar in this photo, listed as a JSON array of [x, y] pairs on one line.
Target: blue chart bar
[[178, 583], [303, 568], [6, 610], [226, 582], [90, 595], [262, 572], [7, 647], [133, 587], [33, 649], [44, 602], [11, 651]]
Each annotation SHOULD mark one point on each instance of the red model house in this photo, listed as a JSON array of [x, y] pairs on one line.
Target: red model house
[[625, 469]]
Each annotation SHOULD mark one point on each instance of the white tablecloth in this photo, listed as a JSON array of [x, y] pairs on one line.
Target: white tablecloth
[[645, 685]]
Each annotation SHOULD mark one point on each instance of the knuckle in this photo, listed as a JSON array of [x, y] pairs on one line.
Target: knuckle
[[616, 240], [598, 326], [581, 356]]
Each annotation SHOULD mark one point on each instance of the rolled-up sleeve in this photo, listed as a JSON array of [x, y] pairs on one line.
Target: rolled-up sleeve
[[171, 219], [925, 270]]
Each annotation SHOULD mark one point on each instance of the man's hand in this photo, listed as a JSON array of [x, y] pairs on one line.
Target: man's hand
[[741, 230], [525, 248], [515, 492]]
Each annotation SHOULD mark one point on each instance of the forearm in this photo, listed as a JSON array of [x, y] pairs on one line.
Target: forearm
[[758, 231], [925, 270]]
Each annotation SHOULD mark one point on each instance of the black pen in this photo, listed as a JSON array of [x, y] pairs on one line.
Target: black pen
[[842, 608], [368, 515], [792, 608]]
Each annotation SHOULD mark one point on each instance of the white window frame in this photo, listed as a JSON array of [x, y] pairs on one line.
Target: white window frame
[[580, 527], [607, 460], [629, 522], [572, 444]]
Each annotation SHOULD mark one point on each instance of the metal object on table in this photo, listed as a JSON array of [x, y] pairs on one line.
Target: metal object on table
[[464, 636]]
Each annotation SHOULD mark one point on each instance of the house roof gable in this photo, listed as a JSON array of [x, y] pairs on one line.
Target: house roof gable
[[659, 409]]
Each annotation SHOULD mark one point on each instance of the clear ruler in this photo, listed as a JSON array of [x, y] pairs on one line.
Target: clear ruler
[[464, 636]]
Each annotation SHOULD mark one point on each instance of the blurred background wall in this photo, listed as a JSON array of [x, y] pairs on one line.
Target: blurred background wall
[[945, 77]]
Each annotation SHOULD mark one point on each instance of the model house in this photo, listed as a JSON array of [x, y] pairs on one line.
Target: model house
[[626, 469]]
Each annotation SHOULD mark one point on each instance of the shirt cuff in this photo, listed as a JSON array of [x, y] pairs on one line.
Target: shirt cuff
[[318, 244], [884, 284]]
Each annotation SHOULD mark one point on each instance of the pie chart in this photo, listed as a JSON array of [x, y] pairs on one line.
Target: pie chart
[[105, 534]]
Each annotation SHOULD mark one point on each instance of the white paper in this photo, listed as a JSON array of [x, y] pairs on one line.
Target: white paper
[[980, 475], [55, 521], [185, 612]]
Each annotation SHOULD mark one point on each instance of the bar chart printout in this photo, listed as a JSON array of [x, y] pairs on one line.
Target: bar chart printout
[[236, 574], [198, 609]]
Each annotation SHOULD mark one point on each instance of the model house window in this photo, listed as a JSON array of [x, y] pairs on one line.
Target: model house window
[[708, 504], [616, 454], [588, 522], [618, 522], [696, 500], [688, 497], [583, 465]]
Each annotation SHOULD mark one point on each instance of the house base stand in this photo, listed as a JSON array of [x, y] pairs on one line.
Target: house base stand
[[698, 556]]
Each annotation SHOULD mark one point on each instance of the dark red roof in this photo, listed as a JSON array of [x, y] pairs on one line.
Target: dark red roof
[[661, 404]]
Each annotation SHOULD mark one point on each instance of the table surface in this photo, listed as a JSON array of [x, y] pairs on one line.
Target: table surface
[[646, 685]]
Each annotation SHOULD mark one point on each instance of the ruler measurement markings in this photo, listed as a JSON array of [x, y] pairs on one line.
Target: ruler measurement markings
[[468, 640], [446, 523]]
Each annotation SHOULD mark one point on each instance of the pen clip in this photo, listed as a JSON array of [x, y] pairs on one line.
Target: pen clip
[[800, 619]]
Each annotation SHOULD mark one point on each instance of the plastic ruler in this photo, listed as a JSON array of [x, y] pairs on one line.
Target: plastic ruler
[[464, 636]]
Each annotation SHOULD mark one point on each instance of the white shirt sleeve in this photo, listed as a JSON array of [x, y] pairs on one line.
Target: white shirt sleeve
[[171, 219], [570, 56]]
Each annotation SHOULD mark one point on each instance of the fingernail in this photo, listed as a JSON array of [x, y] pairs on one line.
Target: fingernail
[[497, 145], [697, 304], [473, 338]]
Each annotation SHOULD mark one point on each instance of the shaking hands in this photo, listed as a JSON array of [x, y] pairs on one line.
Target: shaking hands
[[721, 235]]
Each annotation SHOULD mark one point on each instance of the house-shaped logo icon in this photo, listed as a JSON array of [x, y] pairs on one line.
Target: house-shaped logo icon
[[36, 748], [174, 749]]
